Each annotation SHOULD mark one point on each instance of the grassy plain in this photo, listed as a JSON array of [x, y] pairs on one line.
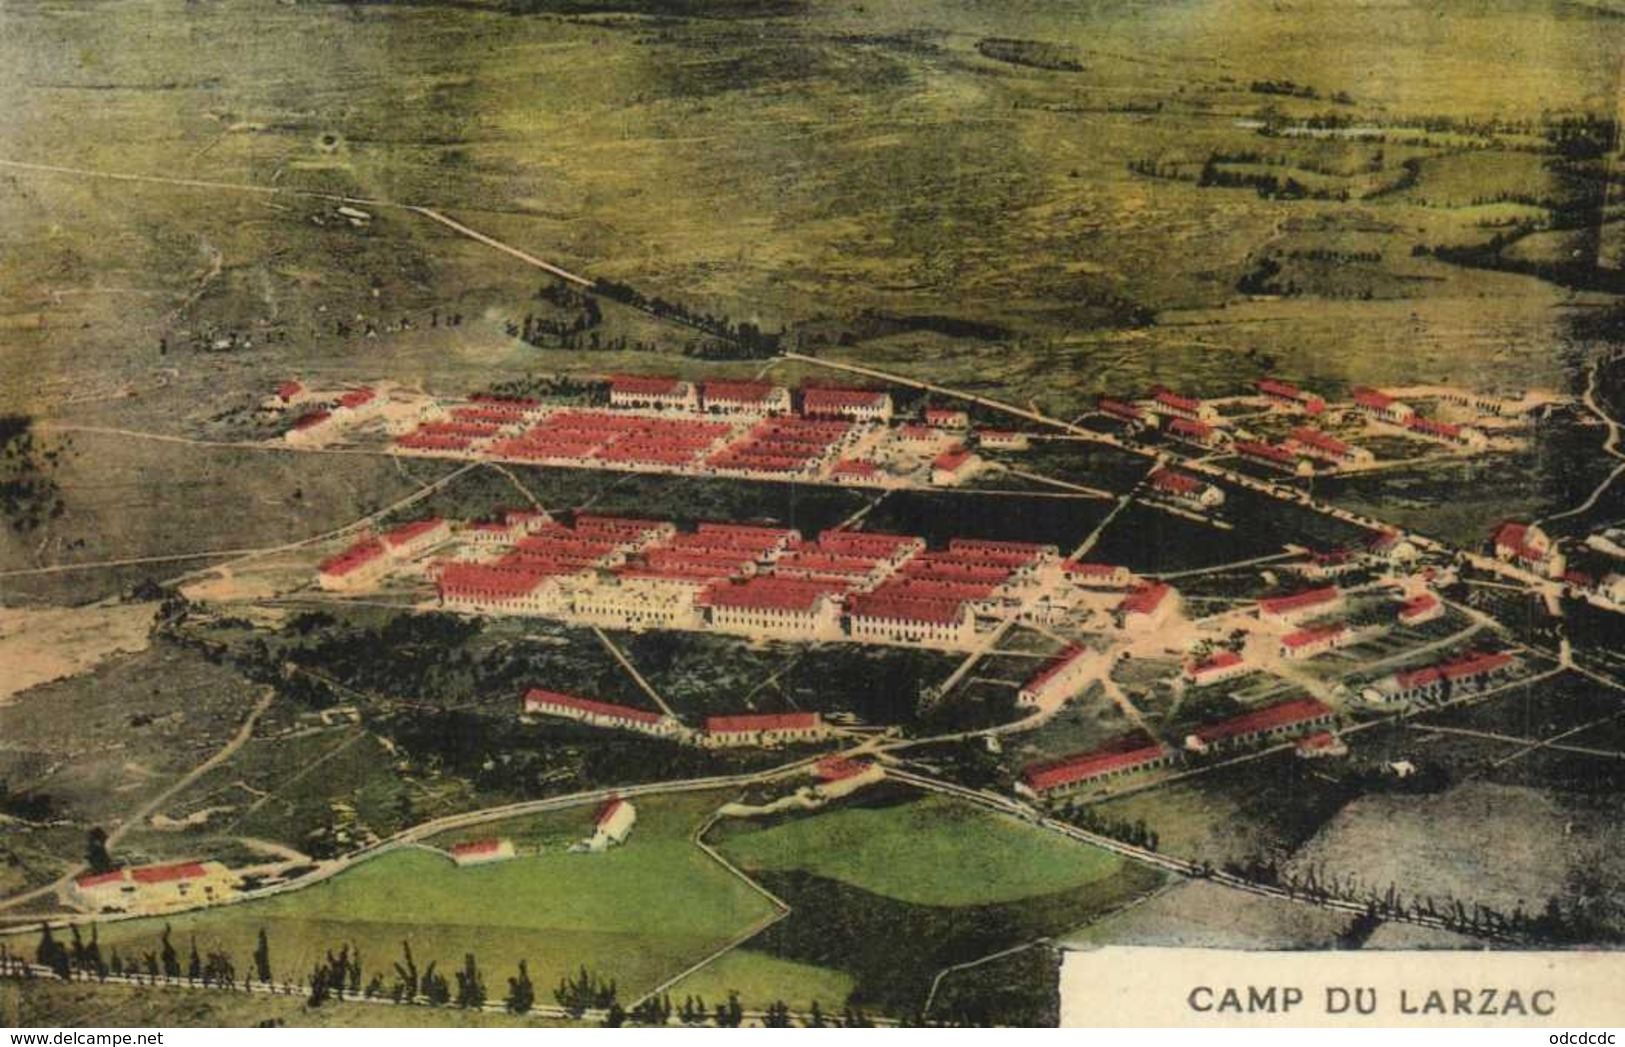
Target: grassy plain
[[555, 910], [933, 851]]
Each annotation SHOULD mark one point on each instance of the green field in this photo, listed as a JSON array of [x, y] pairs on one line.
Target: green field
[[933, 851], [638, 913], [761, 979]]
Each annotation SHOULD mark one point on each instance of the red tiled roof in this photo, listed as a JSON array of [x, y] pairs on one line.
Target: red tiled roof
[[167, 873], [1054, 667], [749, 723], [885, 606], [1312, 636], [769, 593], [1434, 427], [1419, 604], [1368, 397], [1321, 441], [1286, 714], [1121, 409], [950, 461], [1472, 665], [1175, 482], [1269, 452], [98, 879], [855, 467], [607, 810], [1174, 400], [476, 847], [822, 399], [1090, 570], [1187, 427], [356, 397], [311, 420], [1273, 387], [1145, 599], [1299, 601], [406, 532], [538, 700], [290, 388], [1131, 751], [363, 552], [1221, 660]]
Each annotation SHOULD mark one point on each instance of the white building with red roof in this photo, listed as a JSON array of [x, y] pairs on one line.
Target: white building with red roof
[[841, 775], [1147, 606], [764, 606], [482, 852], [1060, 678], [765, 729], [1381, 405], [311, 428], [153, 887], [744, 398], [1216, 668], [612, 824], [411, 540], [1311, 641], [1288, 395], [859, 405], [1321, 745], [652, 392], [1096, 575], [1313, 443], [1528, 545], [1168, 402], [539, 702], [1125, 411], [1132, 754], [954, 467], [887, 616], [946, 418], [1272, 455], [1292, 718], [1298, 607], [1003, 439], [1192, 432], [357, 567], [1183, 487], [1420, 609]]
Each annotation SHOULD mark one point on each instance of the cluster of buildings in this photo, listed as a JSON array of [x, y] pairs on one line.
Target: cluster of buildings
[[720, 428], [1385, 408], [761, 730], [1432, 684], [1529, 547], [373, 556], [756, 581], [1306, 720], [147, 888], [325, 413]]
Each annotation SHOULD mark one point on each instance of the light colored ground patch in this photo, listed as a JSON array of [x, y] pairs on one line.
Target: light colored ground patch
[[760, 979], [933, 851], [1195, 914], [1499, 845], [40, 645]]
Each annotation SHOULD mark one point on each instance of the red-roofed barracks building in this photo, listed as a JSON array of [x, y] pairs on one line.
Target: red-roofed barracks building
[[652, 391], [597, 714], [765, 728], [1288, 719], [1069, 774]]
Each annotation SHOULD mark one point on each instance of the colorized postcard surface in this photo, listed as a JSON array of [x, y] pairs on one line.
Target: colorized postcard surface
[[798, 513]]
